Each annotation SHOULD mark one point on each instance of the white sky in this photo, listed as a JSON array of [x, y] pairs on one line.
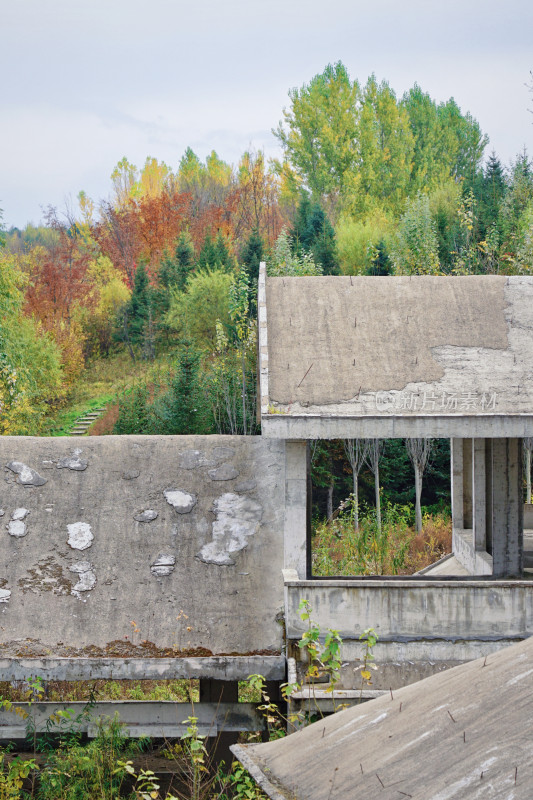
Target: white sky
[[86, 82]]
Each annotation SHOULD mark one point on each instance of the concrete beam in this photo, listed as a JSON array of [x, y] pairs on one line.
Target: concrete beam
[[221, 668], [161, 719], [415, 610], [283, 426]]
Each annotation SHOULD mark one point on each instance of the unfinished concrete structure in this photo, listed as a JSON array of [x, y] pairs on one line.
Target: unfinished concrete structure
[[394, 357], [143, 557], [164, 557]]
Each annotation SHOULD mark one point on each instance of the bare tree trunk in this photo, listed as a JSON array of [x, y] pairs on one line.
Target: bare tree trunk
[[356, 451], [418, 496], [329, 510], [378, 497], [356, 501], [375, 450], [419, 451]]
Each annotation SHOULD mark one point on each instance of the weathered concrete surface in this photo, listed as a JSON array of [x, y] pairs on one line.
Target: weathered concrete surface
[[461, 735], [409, 356], [423, 625], [131, 538]]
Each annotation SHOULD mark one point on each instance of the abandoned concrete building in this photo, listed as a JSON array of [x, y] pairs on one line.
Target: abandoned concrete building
[[159, 557]]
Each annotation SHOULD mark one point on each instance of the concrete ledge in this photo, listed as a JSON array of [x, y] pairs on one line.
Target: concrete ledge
[[222, 668], [476, 562], [162, 719], [326, 426], [415, 610]]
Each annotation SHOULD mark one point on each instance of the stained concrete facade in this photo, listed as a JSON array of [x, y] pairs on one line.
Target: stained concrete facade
[[396, 357], [111, 541]]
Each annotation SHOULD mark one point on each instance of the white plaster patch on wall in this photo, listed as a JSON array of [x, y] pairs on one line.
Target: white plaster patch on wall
[[26, 475], [86, 579], [237, 518], [16, 526], [73, 462], [163, 565], [183, 502], [192, 459], [148, 515], [80, 536], [226, 472], [5, 594]]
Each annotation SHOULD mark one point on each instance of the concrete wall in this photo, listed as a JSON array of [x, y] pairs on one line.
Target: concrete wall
[[423, 626], [348, 357], [113, 540]]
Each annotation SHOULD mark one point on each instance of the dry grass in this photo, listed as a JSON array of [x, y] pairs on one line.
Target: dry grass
[[397, 549]]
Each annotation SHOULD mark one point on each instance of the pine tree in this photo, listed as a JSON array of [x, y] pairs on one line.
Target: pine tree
[[137, 323], [313, 233], [252, 255], [183, 409], [208, 254]]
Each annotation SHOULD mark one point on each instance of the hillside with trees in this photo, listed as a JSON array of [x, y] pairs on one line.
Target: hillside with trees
[[159, 281]]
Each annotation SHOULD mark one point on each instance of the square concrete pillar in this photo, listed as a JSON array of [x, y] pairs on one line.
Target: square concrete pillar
[[479, 495], [456, 461], [296, 515], [467, 483], [507, 507]]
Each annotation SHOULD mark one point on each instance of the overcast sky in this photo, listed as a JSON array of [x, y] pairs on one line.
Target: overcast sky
[[86, 82]]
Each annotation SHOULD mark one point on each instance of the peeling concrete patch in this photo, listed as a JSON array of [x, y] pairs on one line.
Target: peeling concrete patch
[[182, 501], [163, 565], [46, 576], [245, 486], [16, 526], [80, 536], [87, 577], [72, 462], [192, 459], [226, 472], [5, 594], [131, 474], [223, 453], [146, 516], [26, 475], [237, 518]]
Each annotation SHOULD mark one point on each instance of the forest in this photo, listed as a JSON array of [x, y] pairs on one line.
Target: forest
[[156, 285]]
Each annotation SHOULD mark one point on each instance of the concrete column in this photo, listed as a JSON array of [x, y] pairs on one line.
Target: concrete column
[[295, 531], [467, 483], [488, 495], [479, 515], [456, 462], [507, 507]]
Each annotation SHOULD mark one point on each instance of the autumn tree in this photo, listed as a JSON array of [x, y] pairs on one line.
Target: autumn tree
[[320, 134]]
